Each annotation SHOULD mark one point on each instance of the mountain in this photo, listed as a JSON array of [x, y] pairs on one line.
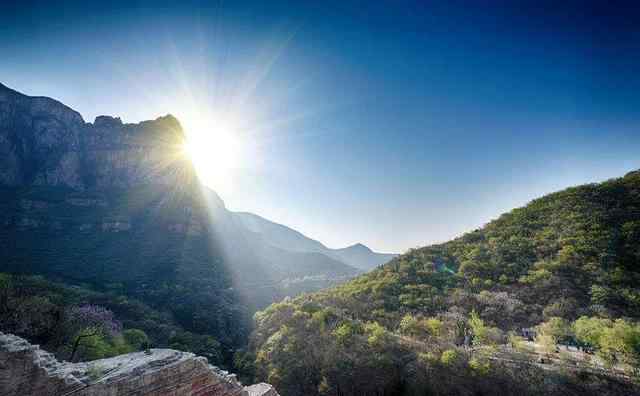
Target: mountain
[[449, 318], [116, 208], [360, 256], [278, 235], [56, 168]]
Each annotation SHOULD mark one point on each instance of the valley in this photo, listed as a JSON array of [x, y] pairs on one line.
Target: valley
[[108, 219], [319, 198]]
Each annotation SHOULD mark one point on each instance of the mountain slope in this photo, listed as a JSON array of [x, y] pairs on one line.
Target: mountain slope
[[117, 208], [278, 235], [569, 255], [578, 245], [107, 176], [114, 206]]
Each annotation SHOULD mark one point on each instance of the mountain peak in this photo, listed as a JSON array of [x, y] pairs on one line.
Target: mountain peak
[[57, 148], [359, 246], [107, 121]]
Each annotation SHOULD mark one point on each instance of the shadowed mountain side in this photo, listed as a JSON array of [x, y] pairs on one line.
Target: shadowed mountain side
[[292, 264], [278, 235], [45, 143], [266, 273], [117, 208]]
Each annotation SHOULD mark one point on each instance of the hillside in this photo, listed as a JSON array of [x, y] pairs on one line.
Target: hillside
[[567, 263], [283, 237]]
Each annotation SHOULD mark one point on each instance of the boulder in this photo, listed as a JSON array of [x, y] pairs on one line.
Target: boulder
[[26, 369]]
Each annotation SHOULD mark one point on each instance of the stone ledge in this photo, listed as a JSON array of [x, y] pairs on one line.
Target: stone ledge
[[25, 369]]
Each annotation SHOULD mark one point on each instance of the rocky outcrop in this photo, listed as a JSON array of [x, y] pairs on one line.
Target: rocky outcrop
[[39, 140], [25, 369], [260, 390], [44, 142]]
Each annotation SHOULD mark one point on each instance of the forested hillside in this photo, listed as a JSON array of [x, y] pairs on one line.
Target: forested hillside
[[55, 315], [449, 318]]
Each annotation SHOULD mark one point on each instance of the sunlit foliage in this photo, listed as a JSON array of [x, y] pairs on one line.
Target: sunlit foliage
[[438, 320]]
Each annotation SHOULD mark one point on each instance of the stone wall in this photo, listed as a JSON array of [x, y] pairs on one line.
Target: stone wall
[[26, 369]]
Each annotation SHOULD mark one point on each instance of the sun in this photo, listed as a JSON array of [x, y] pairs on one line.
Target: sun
[[212, 146]]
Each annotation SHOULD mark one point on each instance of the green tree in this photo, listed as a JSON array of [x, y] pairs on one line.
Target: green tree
[[410, 326], [377, 336], [136, 339], [449, 357], [589, 331], [479, 329], [557, 328], [620, 342]]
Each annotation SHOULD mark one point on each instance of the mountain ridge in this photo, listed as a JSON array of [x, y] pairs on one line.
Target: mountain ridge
[[357, 255]]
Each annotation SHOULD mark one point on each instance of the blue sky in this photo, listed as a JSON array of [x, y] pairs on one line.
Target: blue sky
[[394, 124]]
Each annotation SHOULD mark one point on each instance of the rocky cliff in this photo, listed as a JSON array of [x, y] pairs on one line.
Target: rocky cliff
[[76, 184], [116, 208], [44, 142], [25, 369]]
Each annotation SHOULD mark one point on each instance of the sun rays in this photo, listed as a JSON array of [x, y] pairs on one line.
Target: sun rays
[[212, 145], [233, 110]]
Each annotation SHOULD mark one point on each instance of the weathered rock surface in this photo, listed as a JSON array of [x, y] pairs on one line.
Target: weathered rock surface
[[25, 369], [44, 142], [260, 390]]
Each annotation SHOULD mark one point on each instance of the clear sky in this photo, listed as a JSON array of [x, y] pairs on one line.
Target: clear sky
[[395, 124]]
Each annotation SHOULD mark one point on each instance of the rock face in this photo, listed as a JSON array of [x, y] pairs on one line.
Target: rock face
[[25, 369], [72, 176], [260, 390], [44, 142]]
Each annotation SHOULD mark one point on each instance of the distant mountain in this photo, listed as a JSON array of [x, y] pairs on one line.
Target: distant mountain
[[360, 256], [278, 235]]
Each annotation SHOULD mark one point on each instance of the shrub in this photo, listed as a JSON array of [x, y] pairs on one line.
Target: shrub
[[449, 357]]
